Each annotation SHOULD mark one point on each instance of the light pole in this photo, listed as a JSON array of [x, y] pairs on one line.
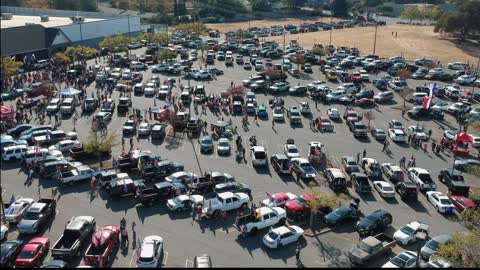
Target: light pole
[[331, 29], [421, 235], [375, 39]]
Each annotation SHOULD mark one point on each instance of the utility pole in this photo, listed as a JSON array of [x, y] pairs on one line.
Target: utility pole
[[284, 48], [375, 39], [331, 29]]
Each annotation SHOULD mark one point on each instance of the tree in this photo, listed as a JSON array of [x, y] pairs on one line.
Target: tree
[[322, 202], [61, 59], [319, 52], [80, 52], [339, 8], [436, 13], [411, 13], [9, 67], [173, 120], [100, 145], [462, 250], [471, 218], [236, 90], [463, 21], [116, 43], [260, 5], [166, 54], [299, 59], [36, 3], [294, 4], [192, 28], [373, 3], [369, 116]]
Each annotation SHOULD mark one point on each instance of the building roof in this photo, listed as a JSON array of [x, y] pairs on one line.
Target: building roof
[[23, 39], [21, 20]]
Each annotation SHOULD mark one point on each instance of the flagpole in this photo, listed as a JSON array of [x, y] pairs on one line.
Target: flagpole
[[1, 204]]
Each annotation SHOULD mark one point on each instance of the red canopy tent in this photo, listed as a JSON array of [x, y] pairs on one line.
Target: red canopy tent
[[460, 147]]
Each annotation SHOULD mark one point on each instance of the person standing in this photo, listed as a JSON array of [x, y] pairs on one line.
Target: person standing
[[364, 153], [402, 162], [273, 124], [131, 143], [199, 212], [358, 157]]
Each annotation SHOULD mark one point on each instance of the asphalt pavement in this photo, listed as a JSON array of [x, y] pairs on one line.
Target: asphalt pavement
[[185, 239]]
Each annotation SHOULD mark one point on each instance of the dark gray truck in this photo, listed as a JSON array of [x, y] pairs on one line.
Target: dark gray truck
[[77, 232], [371, 248]]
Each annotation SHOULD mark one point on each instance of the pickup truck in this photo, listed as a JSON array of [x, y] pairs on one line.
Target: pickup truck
[[357, 128], [103, 244], [370, 248], [225, 201], [264, 217], [303, 169], [36, 216], [360, 182], [77, 231], [159, 192], [80, 173]]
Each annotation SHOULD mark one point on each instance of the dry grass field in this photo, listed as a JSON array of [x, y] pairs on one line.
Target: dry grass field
[[412, 41]]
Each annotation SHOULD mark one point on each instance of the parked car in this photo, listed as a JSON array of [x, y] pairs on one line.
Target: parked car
[[406, 259], [384, 189], [408, 233], [440, 201], [433, 245], [9, 251], [376, 221], [283, 236], [341, 215], [151, 252], [33, 253]]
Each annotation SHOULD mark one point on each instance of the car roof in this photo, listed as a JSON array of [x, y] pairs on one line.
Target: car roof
[[258, 149]]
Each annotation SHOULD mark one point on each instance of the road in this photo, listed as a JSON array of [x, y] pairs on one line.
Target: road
[[185, 239]]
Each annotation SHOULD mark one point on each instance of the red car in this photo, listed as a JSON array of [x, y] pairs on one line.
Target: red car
[[356, 77], [461, 203], [278, 199], [33, 253], [298, 206], [352, 115], [364, 102], [430, 76], [104, 241]]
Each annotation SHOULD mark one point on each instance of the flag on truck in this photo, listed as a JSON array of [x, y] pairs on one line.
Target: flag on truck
[[427, 100]]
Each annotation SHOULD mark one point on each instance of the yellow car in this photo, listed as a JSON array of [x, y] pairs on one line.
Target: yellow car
[[332, 76]]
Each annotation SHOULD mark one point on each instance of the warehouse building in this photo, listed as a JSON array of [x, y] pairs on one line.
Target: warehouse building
[[39, 33]]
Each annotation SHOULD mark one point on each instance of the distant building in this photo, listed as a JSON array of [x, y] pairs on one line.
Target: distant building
[[43, 32]]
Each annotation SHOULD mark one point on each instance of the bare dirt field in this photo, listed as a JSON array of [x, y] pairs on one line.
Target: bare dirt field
[[412, 41]]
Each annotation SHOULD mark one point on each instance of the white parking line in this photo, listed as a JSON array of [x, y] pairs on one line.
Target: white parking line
[[164, 263]]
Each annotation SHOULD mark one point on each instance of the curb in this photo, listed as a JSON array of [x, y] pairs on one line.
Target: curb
[[318, 233]]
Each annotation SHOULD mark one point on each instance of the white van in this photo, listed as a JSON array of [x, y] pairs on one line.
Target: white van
[[15, 152], [416, 97]]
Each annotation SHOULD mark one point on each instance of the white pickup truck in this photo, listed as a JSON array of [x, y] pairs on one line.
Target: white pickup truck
[[264, 217], [225, 201], [80, 173]]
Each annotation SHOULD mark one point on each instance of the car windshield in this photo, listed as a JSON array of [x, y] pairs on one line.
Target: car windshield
[[177, 200], [31, 216], [207, 141], [259, 155], [292, 150], [341, 212], [273, 235], [433, 245], [407, 230], [400, 261], [26, 254], [445, 201], [224, 144], [300, 201], [380, 132], [351, 163], [295, 113]]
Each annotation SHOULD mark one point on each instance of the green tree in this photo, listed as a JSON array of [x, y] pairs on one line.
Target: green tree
[[463, 21], [462, 250], [299, 60], [373, 3], [261, 5], [411, 13], [100, 145], [9, 67], [294, 4], [339, 8], [436, 13], [80, 52], [323, 202], [61, 59], [166, 54]]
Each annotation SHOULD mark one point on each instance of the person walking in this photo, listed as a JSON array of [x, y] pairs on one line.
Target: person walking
[[273, 124], [364, 153], [131, 143], [402, 162], [255, 119], [297, 253], [199, 212], [385, 145], [433, 146], [224, 216], [403, 113], [358, 157]]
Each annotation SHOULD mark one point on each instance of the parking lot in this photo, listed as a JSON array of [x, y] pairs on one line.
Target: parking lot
[[185, 238]]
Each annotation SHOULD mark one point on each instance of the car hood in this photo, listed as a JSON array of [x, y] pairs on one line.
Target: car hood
[[331, 217], [26, 223]]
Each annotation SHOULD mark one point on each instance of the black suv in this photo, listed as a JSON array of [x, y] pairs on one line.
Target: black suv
[[375, 222], [407, 190], [448, 176]]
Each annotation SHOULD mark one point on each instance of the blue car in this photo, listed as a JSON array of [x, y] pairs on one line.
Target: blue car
[[380, 84], [262, 111]]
